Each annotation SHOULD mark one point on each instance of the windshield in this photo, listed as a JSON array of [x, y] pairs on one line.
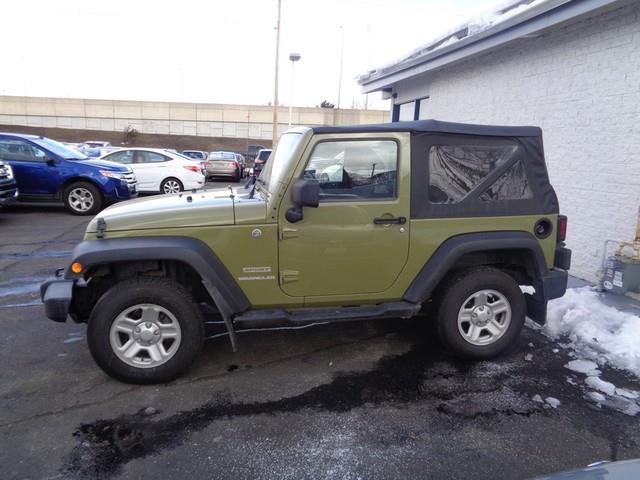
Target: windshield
[[264, 155], [59, 149], [276, 167]]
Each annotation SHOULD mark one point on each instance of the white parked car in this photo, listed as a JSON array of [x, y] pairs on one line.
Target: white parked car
[[159, 170]]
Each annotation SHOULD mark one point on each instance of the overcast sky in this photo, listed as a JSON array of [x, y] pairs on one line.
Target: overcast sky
[[211, 50]]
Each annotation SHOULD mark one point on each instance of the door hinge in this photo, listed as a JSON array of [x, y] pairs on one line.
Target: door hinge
[[287, 276], [286, 233]]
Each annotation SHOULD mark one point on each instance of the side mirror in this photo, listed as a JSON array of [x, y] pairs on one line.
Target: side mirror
[[305, 193], [52, 162]]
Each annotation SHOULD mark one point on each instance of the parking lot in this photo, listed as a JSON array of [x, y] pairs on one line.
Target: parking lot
[[352, 400]]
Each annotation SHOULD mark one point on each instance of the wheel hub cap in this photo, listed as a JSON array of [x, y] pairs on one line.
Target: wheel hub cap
[[145, 335], [481, 315], [484, 317]]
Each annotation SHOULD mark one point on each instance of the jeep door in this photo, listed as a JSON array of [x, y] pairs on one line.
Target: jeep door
[[357, 240]]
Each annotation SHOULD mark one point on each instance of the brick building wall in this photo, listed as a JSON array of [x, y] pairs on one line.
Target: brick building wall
[[581, 84]]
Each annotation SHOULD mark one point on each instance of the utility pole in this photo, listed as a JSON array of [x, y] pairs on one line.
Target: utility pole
[[341, 62], [274, 140]]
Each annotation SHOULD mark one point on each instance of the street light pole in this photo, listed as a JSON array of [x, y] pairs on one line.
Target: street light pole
[[341, 63], [294, 57], [274, 139]]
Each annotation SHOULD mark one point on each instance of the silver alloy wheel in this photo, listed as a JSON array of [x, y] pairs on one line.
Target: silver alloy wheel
[[484, 317], [171, 186], [81, 199], [145, 335]]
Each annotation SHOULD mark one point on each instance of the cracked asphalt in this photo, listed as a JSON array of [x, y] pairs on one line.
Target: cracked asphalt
[[357, 400]]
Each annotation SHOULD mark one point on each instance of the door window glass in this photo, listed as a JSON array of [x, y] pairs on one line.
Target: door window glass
[[20, 150], [455, 170], [348, 170], [124, 157]]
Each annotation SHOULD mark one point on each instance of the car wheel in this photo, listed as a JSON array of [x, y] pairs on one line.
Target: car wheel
[[171, 185], [146, 330], [480, 313], [82, 198]]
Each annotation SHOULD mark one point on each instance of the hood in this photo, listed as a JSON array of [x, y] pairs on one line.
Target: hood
[[213, 207], [104, 165]]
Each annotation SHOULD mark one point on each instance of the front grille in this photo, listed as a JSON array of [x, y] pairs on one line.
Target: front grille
[[130, 178]]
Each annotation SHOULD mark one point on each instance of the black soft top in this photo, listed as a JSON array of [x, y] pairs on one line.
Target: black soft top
[[434, 126]]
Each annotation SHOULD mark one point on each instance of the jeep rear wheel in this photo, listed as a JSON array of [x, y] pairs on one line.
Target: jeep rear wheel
[[481, 313], [146, 330]]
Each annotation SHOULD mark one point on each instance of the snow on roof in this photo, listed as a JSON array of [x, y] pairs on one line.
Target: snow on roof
[[484, 21]]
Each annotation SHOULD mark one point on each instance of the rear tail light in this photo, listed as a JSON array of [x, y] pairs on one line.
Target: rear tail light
[[193, 168], [562, 228]]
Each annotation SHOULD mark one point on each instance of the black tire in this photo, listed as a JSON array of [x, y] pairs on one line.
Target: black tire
[[172, 180], [73, 204], [456, 290], [159, 291]]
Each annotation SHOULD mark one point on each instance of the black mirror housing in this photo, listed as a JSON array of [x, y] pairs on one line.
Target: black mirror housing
[[306, 193]]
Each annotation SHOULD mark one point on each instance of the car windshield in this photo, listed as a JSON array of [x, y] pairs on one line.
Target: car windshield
[[59, 149], [221, 156], [276, 167], [264, 155]]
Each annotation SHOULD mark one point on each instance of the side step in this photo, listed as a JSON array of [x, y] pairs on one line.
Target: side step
[[281, 317]]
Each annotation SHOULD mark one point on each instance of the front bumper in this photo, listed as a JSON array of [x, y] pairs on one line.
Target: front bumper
[[56, 294], [8, 194]]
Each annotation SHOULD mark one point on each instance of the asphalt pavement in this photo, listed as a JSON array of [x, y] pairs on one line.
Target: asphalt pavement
[[355, 400]]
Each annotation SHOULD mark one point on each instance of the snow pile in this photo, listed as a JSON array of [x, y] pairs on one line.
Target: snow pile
[[480, 22], [595, 331]]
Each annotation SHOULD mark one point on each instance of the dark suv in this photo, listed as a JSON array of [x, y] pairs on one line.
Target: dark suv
[[46, 170], [8, 187]]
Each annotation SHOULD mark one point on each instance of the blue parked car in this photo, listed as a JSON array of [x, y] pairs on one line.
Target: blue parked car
[[46, 170]]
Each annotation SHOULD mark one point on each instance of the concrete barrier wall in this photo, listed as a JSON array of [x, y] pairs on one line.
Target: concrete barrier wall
[[168, 118]]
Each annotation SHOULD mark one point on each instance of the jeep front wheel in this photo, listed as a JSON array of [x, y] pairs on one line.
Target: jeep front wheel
[[146, 330], [481, 313]]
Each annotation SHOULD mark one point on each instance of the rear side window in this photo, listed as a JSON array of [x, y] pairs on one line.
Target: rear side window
[[513, 185], [20, 150], [154, 157], [356, 169], [456, 170]]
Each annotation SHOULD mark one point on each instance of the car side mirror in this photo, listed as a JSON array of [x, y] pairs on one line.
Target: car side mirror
[[52, 162], [305, 193]]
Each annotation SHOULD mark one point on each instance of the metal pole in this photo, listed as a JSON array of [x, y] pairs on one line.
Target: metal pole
[[341, 62], [291, 94], [294, 57], [274, 140]]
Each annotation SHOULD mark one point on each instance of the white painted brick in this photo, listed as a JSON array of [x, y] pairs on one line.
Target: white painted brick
[[581, 84]]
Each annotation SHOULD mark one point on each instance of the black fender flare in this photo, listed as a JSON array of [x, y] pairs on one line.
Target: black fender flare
[[452, 249], [191, 251]]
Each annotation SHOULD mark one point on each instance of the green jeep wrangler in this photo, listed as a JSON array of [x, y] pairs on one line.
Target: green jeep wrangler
[[344, 223]]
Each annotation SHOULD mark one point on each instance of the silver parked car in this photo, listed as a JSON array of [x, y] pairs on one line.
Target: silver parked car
[[223, 164]]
